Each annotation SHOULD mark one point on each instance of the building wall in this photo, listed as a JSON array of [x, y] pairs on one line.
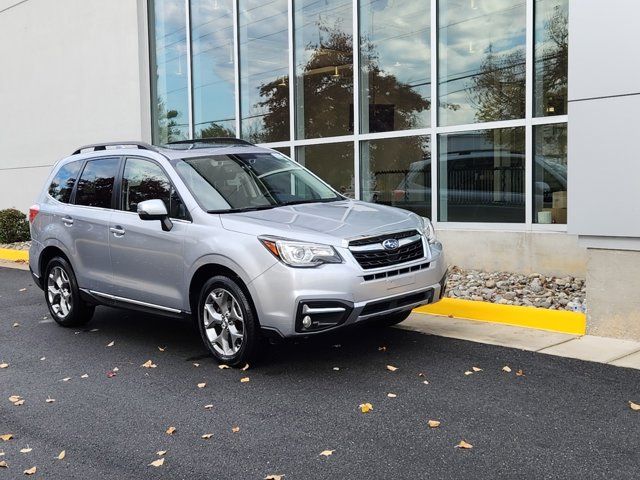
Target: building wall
[[73, 72]]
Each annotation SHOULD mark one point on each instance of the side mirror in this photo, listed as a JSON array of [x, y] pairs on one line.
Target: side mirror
[[155, 210]]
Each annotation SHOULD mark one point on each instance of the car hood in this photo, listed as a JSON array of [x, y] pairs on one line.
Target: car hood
[[332, 221]]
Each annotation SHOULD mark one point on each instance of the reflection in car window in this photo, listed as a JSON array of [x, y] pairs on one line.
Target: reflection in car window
[[251, 181], [96, 183], [63, 183], [144, 180]]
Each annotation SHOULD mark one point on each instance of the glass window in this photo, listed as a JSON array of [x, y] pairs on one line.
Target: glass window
[[397, 172], [264, 70], [551, 57], [550, 173], [168, 39], [251, 181], [395, 79], [324, 67], [144, 180], [63, 183], [481, 176], [95, 186], [213, 68], [333, 162], [481, 55], [284, 150]]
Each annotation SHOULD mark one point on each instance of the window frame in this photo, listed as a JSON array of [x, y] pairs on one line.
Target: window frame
[[55, 174], [72, 200]]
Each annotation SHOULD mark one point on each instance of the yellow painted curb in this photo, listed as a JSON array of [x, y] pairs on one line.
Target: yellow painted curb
[[531, 317], [14, 255]]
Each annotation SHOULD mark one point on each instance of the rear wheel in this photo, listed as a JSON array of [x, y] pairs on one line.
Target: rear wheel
[[391, 319], [63, 295], [226, 321]]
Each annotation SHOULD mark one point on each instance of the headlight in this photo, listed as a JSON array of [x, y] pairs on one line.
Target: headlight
[[428, 230], [301, 254]]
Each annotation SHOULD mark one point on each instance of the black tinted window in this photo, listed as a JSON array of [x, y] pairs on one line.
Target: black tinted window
[[62, 184], [96, 183], [144, 180]]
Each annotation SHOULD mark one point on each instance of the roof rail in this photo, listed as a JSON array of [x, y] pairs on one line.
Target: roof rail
[[103, 146], [209, 141]]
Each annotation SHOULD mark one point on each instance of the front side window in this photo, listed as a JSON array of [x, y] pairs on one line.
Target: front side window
[[95, 186], [251, 181], [63, 183], [144, 180]]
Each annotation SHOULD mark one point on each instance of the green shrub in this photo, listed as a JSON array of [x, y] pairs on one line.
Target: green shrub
[[14, 226]]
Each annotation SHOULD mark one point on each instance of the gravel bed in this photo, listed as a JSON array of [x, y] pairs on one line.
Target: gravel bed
[[535, 290], [16, 246]]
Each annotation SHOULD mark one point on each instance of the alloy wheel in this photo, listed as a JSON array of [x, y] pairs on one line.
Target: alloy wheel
[[223, 322], [59, 292]]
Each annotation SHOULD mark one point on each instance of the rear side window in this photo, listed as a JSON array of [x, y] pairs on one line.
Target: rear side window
[[62, 185], [95, 186]]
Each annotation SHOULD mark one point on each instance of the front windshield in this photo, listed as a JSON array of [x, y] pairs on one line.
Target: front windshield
[[251, 181]]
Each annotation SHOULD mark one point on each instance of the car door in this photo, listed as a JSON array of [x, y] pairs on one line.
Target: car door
[[86, 220], [147, 262]]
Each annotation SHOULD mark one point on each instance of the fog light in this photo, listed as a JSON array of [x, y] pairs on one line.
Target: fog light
[[306, 321]]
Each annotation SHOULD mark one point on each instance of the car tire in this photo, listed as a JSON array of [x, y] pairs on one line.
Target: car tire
[[391, 319], [62, 295], [227, 323]]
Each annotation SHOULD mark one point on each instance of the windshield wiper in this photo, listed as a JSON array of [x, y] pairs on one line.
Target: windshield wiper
[[320, 200], [243, 209]]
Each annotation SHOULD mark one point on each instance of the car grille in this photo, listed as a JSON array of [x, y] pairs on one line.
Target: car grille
[[369, 258]]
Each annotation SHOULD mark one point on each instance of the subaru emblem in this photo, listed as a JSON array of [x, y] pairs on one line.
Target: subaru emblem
[[390, 244]]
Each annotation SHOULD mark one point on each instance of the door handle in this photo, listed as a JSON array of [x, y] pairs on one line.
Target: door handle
[[117, 231], [68, 221]]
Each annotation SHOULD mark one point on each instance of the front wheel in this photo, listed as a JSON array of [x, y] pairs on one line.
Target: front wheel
[[63, 295], [226, 321]]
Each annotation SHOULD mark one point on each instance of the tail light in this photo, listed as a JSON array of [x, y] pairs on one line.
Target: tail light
[[33, 211]]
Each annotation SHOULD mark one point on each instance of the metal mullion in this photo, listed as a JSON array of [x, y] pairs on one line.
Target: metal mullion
[[394, 134], [292, 73], [323, 140], [468, 127], [528, 148], [549, 120], [187, 9], [435, 164], [356, 98], [236, 65]]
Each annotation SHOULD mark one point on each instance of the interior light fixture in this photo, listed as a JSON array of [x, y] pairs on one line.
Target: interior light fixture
[[282, 83], [336, 74]]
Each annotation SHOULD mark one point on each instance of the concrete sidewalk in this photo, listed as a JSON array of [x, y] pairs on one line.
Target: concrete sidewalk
[[621, 353]]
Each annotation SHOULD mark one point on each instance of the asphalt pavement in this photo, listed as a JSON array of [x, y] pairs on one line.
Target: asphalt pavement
[[561, 418]]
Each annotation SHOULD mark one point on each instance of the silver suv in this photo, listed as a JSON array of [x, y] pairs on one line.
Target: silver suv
[[241, 238]]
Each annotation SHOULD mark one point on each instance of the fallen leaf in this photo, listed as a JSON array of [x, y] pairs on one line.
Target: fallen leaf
[[6, 437], [111, 344], [94, 330], [327, 453], [4, 365], [391, 368], [464, 444], [208, 407], [382, 348], [450, 316], [162, 349], [16, 325], [26, 450], [425, 382], [337, 345], [160, 453], [207, 436], [235, 429], [520, 373], [634, 406], [3, 464], [196, 364], [111, 373], [365, 407], [43, 359], [85, 376], [30, 471], [506, 368], [50, 400], [336, 368], [66, 379], [148, 364], [116, 369], [468, 372], [391, 395], [157, 463], [244, 379], [433, 423], [476, 369], [202, 385], [245, 368], [171, 430], [61, 455], [274, 477], [14, 398], [18, 403], [421, 374], [223, 366], [23, 290]]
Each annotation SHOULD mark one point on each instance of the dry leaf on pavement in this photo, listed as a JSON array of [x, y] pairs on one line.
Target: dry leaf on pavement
[[50, 400], [86, 375], [61, 455], [506, 369], [327, 453], [520, 373], [202, 385], [4, 365], [468, 372], [245, 368], [111, 344], [223, 366], [3, 464], [244, 379], [274, 477], [207, 436], [365, 407], [196, 364], [148, 364], [634, 406], [391, 395], [336, 368], [433, 423], [235, 429], [391, 368], [30, 471], [16, 324], [160, 453], [464, 445], [425, 382], [66, 379], [383, 348], [26, 450], [208, 407], [23, 290], [157, 463], [171, 430], [476, 369], [6, 437], [111, 373], [162, 349]]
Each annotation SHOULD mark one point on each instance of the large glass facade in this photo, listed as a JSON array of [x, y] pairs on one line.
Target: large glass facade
[[346, 87]]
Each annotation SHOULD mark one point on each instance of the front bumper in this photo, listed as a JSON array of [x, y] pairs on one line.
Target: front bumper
[[281, 293]]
